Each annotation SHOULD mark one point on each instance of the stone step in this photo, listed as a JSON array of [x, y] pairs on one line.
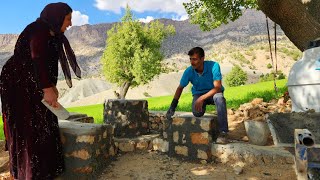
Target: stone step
[[251, 154]]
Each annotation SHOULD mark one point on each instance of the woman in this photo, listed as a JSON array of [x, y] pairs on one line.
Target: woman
[[30, 75]]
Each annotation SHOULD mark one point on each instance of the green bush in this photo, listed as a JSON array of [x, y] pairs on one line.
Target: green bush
[[269, 77], [269, 66], [236, 77], [239, 57]]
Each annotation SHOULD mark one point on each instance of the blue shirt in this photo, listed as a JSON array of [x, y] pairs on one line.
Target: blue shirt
[[202, 83]]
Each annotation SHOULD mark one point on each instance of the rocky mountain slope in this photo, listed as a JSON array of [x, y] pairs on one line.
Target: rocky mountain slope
[[243, 42], [88, 41]]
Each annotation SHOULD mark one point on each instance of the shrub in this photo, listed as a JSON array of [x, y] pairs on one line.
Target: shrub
[[269, 77], [269, 66], [236, 77], [146, 94], [239, 57]]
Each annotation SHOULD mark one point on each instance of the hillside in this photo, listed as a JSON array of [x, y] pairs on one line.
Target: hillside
[[88, 41], [243, 42]]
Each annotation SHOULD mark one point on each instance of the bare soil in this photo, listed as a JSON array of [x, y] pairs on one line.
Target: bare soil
[[155, 165]]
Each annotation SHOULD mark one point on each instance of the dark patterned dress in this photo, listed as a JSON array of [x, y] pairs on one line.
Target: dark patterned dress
[[31, 130]]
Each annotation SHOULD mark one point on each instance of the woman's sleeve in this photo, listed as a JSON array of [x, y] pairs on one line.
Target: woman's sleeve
[[39, 54]]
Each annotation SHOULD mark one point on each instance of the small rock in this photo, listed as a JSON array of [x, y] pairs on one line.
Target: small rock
[[238, 169], [203, 162], [169, 173]]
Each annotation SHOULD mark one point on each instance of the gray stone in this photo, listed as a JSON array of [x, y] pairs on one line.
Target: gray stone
[[86, 148], [238, 169], [129, 117]]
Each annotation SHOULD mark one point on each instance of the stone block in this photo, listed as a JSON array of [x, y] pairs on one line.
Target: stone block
[[203, 154], [200, 138], [160, 145], [127, 146], [181, 150], [176, 136], [85, 151], [141, 143], [190, 136], [130, 118]]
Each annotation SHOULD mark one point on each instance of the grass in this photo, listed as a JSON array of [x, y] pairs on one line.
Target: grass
[[235, 96]]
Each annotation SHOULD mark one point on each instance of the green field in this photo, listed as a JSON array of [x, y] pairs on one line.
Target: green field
[[235, 96]]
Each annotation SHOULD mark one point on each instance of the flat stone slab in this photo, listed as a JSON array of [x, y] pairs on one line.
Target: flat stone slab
[[282, 126], [251, 154]]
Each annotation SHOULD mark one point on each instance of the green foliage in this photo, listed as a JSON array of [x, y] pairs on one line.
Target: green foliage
[[236, 77], [133, 51], [239, 57], [210, 14], [269, 66], [269, 77], [294, 53], [146, 94], [252, 67]]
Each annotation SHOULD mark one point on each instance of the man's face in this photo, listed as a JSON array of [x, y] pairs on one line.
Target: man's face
[[196, 61]]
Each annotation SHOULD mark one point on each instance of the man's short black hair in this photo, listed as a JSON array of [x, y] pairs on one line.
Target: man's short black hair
[[196, 50]]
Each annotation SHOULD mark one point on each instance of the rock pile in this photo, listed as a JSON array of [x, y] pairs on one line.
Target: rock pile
[[257, 109]]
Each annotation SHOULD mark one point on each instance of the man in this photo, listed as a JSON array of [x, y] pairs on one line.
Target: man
[[205, 77]]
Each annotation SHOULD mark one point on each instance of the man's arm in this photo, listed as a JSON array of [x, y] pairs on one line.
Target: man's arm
[[178, 92], [217, 88], [174, 102]]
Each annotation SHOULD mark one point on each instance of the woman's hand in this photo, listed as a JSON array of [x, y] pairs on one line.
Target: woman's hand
[[51, 97], [56, 90]]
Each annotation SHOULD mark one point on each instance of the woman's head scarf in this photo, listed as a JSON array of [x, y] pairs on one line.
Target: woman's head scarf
[[53, 15]]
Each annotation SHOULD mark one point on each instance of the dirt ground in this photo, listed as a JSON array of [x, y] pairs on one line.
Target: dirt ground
[[156, 165]]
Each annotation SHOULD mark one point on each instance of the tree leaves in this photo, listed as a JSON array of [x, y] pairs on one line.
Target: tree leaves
[[210, 14], [133, 52]]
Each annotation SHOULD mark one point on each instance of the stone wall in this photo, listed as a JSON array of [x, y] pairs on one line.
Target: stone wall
[[129, 118], [190, 137], [87, 147], [156, 121]]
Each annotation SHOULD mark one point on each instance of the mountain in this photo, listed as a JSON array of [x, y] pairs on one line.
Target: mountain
[[89, 41], [243, 42]]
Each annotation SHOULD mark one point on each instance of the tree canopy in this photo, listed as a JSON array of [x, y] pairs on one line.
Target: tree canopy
[[299, 19], [132, 56]]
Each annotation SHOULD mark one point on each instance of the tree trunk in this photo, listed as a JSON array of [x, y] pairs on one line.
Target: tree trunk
[[124, 89], [299, 21]]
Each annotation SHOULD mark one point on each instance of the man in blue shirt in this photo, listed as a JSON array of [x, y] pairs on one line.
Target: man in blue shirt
[[207, 88]]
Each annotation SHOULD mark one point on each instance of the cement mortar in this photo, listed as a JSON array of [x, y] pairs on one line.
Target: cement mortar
[[285, 123]]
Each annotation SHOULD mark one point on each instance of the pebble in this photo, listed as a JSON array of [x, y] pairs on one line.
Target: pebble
[[238, 170], [203, 162]]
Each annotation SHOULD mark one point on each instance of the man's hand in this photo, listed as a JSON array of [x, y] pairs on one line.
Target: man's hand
[[170, 113], [51, 97], [172, 109], [198, 104]]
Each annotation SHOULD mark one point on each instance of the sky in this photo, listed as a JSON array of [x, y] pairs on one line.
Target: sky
[[15, 15]]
